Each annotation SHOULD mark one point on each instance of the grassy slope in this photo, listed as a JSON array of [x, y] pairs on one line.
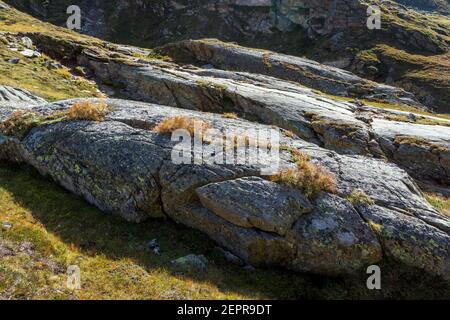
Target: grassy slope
[[115, 263], [440, 202], [112, 253], [32, 74]]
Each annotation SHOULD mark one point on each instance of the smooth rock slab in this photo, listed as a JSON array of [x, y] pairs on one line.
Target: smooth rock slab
[[255, 203]]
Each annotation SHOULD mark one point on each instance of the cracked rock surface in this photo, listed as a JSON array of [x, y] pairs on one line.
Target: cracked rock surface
[[123, 167], [273, 89]]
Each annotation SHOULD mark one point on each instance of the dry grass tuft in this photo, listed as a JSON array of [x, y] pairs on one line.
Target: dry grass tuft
[[230, 115], [88, 111], [289, 134], [194, 126], [19, 123], [306, 176], [359, 197]]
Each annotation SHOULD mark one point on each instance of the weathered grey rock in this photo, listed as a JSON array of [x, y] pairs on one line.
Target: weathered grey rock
[[27, 42], [15, 98], [123, 167], [410, 240], [191, 262], [303, 71], [334, 239], [255, 203], [424, 150], [341, 126]]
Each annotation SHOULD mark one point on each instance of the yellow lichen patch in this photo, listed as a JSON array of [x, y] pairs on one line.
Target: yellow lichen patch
[[306, 176], [378, 228], [195, 127]]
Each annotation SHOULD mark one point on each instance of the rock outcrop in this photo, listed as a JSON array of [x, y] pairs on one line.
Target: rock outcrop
[[270, 95], [300, 70], [331, 31], [17, 97], [122, 167], [372, 213]]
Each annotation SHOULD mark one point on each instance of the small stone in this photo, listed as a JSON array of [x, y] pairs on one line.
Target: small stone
[[6, 226], [30, 53], [27, 43], [359, 103], [14, 60], [52, 65], [27, 247], [412, 117], [191, 262], [153, 245], [6, 251], [372, 70], [231, 258], [249, 267]]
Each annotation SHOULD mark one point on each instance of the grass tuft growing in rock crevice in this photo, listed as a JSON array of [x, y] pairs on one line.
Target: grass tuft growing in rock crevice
[[195, 127], [420, 142], [359, 197], [88, 111], [306, 176], [20, 122]]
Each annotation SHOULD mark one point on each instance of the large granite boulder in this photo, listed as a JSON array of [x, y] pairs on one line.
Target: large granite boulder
[[123, 167]]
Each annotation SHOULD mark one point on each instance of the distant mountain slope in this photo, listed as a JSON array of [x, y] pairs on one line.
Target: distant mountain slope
[[441, 6], [410, 51]]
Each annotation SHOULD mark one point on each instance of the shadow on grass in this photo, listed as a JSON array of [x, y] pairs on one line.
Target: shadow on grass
[[78, 224]]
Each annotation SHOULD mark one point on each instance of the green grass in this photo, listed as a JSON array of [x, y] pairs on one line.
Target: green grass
[[115, 263], [111, 253], [441, 203], [33, 75], [394, 106]]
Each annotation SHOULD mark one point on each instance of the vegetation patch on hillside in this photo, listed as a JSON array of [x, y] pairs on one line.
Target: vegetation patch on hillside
[[39, 241], [306, 176]]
